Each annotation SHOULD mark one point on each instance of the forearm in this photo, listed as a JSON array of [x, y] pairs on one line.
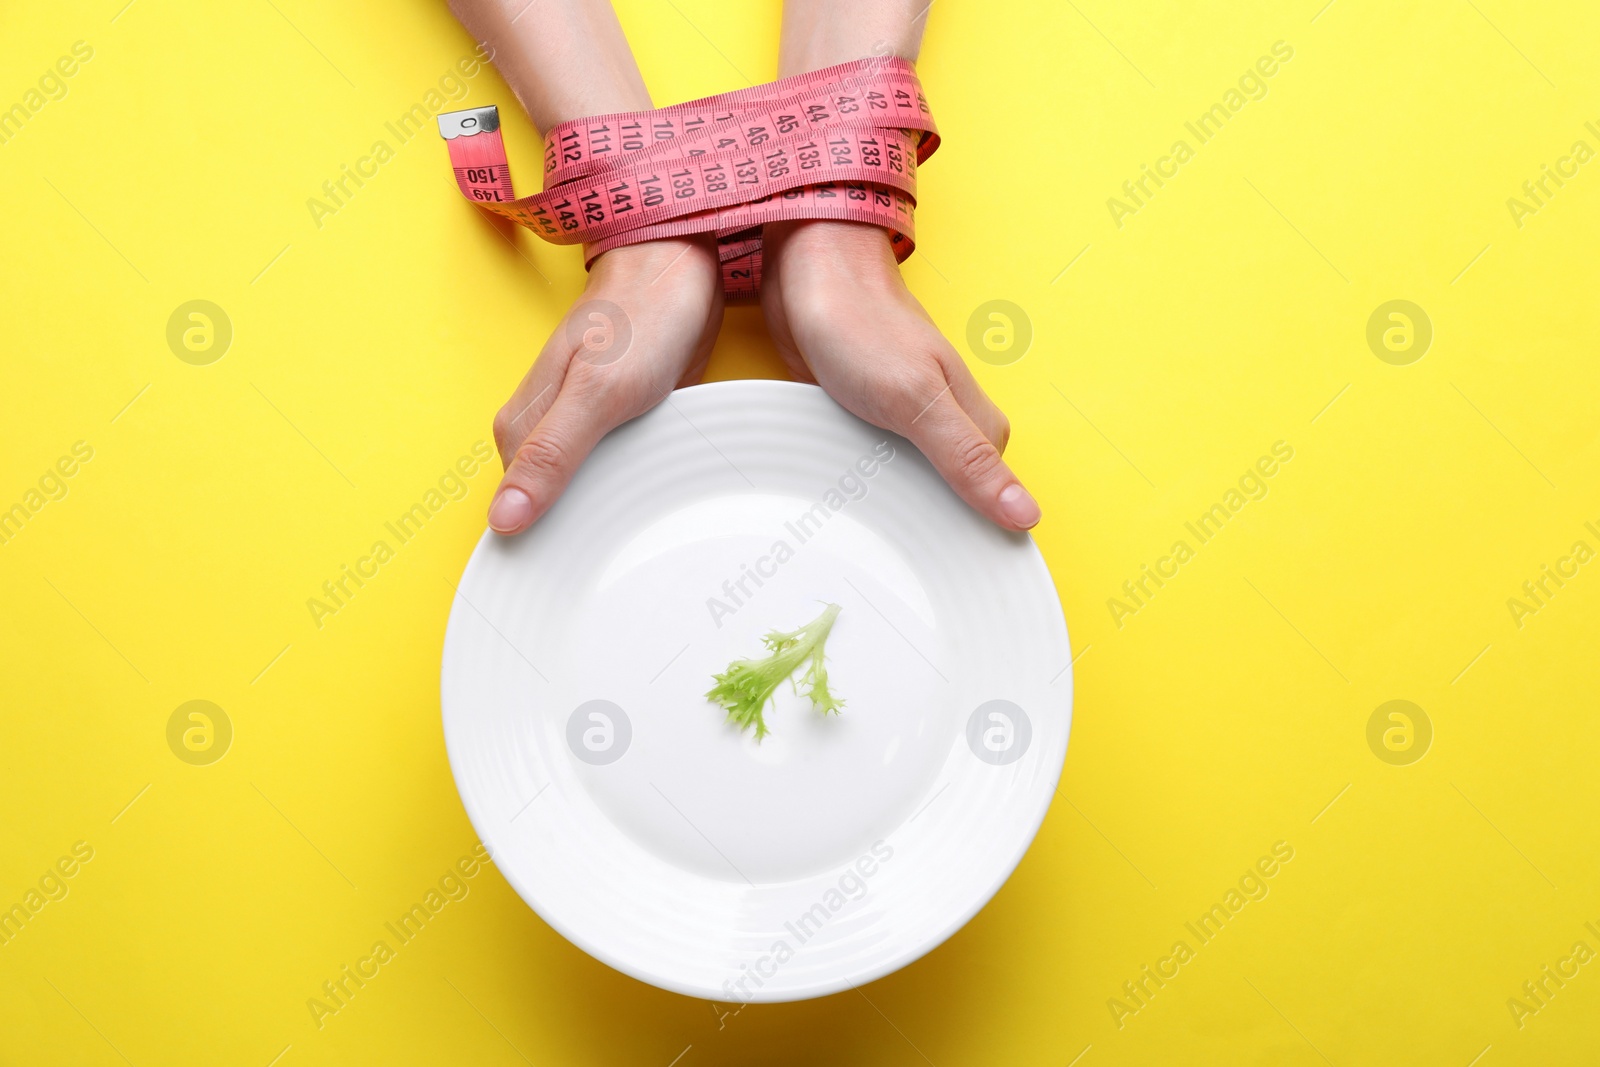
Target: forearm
[[565, 59], [821, 33]]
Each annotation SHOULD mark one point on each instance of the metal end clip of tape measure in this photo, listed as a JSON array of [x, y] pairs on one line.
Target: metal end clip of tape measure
[[840, 143]]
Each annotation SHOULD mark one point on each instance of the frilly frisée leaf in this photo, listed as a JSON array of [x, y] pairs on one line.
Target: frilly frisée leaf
[[748, 684]]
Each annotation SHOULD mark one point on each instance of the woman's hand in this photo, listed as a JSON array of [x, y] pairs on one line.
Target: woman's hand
[[649, 312], [842, 316], [644, 325]]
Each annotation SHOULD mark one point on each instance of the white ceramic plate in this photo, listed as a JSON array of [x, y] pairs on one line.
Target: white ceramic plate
[[660, 839]]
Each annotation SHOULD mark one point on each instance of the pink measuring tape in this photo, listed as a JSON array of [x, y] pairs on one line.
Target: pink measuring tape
[[840, 143]]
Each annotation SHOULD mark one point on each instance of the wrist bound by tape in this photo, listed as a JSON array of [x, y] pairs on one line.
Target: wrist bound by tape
[[841, 143]]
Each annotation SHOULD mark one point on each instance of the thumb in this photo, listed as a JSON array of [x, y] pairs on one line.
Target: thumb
[[544, 463], [971, 463]]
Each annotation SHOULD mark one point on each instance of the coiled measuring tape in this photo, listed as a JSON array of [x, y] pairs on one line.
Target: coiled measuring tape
[[839, 143]]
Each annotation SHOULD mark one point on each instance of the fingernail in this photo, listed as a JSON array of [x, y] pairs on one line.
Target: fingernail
[[513, 509], [1017, 506]]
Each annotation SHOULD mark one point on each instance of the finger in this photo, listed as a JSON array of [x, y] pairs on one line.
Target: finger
[[531, 400], [691, 375], [701, 357], [543, 464], [966, 458], [989, 419]]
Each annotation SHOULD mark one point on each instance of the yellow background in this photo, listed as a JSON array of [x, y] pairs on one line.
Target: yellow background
[[1229, 713]]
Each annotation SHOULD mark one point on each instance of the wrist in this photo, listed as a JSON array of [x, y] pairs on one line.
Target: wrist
[[669, 259], [858, 251]]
